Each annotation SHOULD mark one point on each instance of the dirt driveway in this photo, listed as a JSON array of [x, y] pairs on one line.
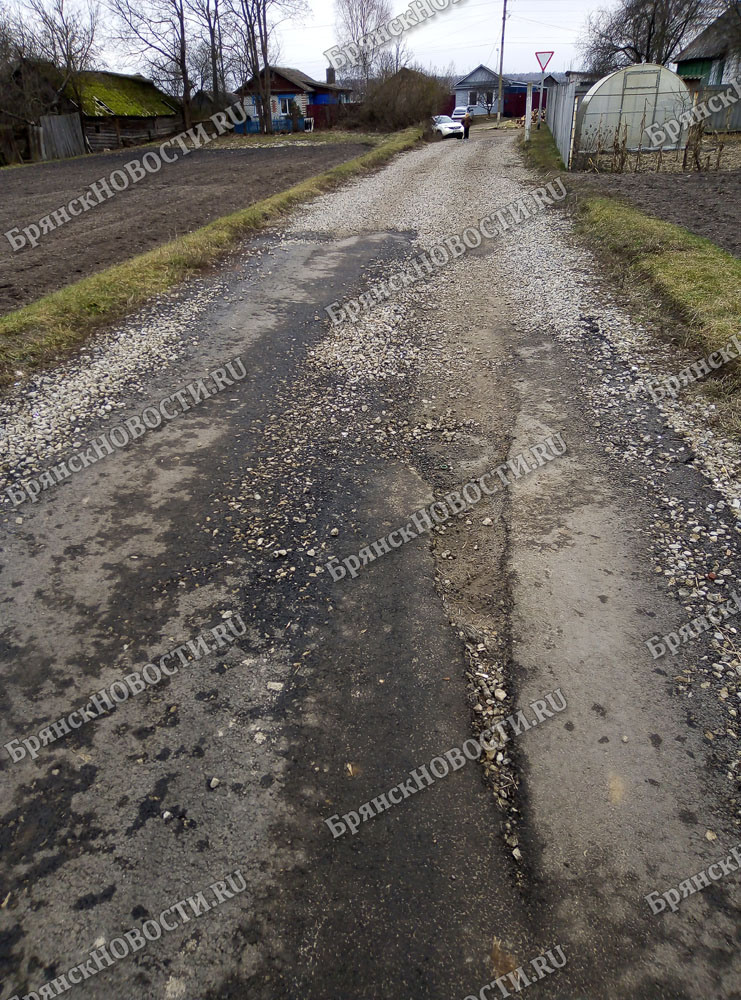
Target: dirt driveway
[[183, 196]]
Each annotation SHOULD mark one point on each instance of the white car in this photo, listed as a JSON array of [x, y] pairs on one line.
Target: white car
[[460, 112], [444, 126]]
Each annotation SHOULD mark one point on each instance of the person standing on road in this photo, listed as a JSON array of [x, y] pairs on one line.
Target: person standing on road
[[466, 123]]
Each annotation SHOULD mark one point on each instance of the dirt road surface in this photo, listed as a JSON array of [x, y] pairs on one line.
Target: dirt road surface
[[338, 689]]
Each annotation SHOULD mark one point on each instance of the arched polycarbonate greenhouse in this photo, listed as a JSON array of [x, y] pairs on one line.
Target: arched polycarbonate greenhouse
[[618, 112], [623, 105]]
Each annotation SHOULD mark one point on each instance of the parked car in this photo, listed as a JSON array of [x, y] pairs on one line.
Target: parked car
[[444, 126], [459, 113]]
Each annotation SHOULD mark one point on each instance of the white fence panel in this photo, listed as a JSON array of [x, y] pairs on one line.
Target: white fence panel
[[560, 117]]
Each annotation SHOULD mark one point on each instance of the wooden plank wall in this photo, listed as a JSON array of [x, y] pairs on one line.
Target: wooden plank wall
[[62, 136], [115, 133]]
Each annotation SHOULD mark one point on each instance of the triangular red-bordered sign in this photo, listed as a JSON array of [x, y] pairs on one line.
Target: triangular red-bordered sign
[[540, 61]]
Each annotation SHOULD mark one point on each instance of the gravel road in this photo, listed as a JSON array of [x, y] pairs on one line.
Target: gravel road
[[338, 689]]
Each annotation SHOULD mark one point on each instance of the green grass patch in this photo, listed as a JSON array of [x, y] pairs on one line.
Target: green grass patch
[[41, 331], [696, 278], [690, 286], [541, 151]]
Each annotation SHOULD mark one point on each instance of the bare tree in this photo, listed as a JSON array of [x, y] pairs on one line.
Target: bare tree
[[64, 34], [251, 26], [357, 18], [13, 47], [200, 66], [7, 38], [254, 24], [486, 99], [207, 14], [162, 31], [44, 47], [638, 31], [391, 59]]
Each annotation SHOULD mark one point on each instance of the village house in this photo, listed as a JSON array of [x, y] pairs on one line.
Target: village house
[[714, 57], [317, 100], [479, 91], [91, 111], [203, 104], [710, 64]]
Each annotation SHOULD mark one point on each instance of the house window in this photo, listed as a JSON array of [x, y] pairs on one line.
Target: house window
[[489, 97], [473, 97], [285, 105]]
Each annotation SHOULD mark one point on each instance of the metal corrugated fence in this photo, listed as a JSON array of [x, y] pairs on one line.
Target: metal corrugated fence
[[561, 115], [727, 119]]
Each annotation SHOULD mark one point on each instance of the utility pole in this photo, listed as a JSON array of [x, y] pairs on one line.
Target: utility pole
[[501, 63]]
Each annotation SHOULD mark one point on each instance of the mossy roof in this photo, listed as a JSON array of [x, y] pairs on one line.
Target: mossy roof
[[109, 94]]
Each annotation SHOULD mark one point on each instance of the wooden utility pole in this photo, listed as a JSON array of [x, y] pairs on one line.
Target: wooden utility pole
[[501, 63]]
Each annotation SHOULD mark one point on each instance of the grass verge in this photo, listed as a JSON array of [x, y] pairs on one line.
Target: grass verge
[[689, 287], [681, 274], [693, 276], [39, 332], [541, 151]]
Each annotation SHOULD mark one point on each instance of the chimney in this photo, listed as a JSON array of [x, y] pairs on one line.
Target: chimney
[[330, 74]]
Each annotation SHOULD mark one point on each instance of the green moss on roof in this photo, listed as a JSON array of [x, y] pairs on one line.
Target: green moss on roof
[[121, 95]]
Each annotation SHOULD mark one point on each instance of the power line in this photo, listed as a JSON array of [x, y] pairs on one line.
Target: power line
[[558, 27]]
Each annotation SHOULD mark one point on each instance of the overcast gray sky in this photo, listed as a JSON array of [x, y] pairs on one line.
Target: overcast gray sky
[[466, 35]]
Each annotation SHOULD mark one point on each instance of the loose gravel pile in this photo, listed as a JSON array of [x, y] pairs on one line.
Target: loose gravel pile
[[49, 413]]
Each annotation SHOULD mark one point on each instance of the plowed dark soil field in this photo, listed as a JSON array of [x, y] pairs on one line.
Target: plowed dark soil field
[[184, 195]]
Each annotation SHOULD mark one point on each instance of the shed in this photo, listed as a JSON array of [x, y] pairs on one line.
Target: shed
[[121, 110], [714, 57], [115, 109]]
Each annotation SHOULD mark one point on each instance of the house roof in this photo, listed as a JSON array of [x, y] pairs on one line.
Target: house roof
[[535, 77], [104, 94], [716, 39], [487, 76], [209, 95], [302, 80]]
